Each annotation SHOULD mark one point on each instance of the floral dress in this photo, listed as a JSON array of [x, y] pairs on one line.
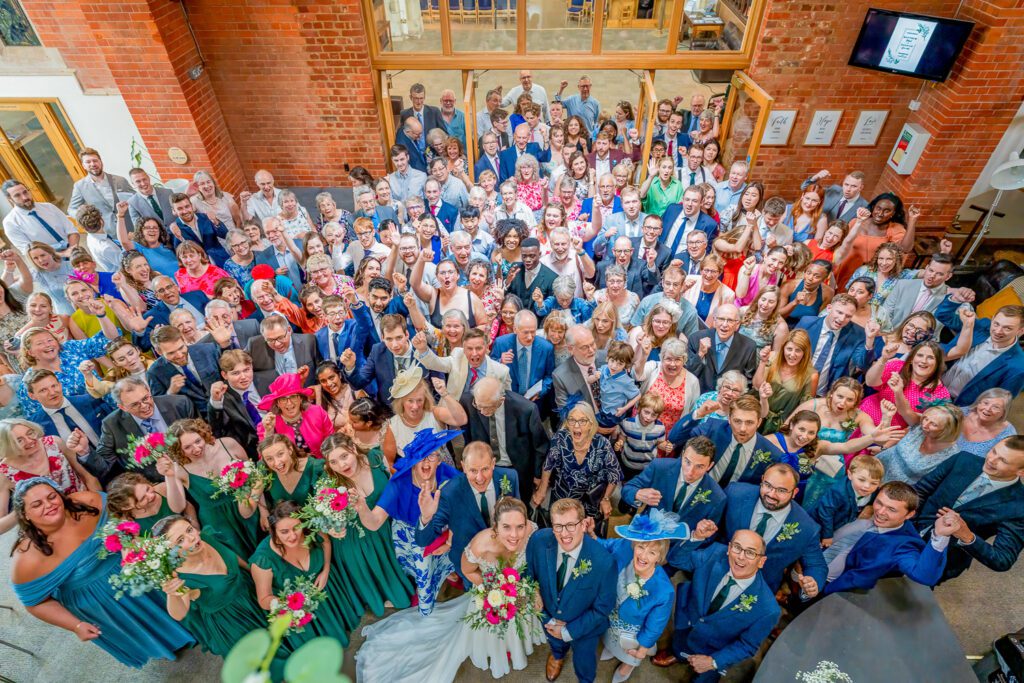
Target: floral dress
[[299, 225], [72, 353], [584, 481], [882, 292], [531, 194], [60, 469], [675, 401]]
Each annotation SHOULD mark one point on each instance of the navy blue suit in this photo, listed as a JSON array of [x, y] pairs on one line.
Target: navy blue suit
[[1006, 371], [804, 543], [447, 215], [998, 515], [343, 341], [720, 433], [542, 363], [484, 164], [876, 556], [850, 357], [731, 634], [836, 507], [379, 367], [507, 159], [455, 512], [161, 315], [682, 142], [92, 409], [583, 604], [208, 238], [416, 158], [364, 334], [671, 215], [206, 358]]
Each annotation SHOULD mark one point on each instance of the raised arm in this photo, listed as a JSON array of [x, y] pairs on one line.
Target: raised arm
[[419, 285]]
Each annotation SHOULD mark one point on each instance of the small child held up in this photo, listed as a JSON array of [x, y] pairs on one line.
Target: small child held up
[[619, 392], [643, 435], [843, 502]]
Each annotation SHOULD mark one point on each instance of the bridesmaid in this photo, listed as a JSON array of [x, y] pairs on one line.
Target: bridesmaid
[[197, 454], [59, 578], [797, 439], [368, 560], [294, 474], [130, 496], [285, 555]]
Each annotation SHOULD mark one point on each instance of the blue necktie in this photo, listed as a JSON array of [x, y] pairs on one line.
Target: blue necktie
[[337, 344], [720, 351], [190, 376], [830, 337], [254, 414], [46, 226], [524, 370], [147, 425], [679, 236]]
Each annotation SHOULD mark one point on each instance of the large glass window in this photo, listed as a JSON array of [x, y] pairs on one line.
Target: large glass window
[[566, 26], [636, 25], [713, 24], [407, 25], [483, 25]]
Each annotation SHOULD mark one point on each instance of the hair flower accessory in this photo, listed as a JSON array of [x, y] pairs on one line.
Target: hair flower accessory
[[83, 276]]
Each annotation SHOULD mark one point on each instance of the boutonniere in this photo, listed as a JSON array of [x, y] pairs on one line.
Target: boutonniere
[[745, 604], [849, 425], [806, 465], [582, 568], [788, 531], [505, 485], [635, 589], [701, 496], [761, 457]]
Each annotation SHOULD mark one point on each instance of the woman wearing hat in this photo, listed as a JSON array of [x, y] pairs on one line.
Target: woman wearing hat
[[420, 472], [415, 410], [290, 412], [644, 594]]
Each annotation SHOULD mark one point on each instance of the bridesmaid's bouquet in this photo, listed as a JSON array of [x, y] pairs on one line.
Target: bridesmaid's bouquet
[[240, 479], [505, 597], [117, 536], [298, 601], [329, 510], [143, 451], [147, 564]]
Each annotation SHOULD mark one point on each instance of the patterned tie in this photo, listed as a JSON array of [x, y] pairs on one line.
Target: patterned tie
[[46, 226], [484, 511], [595, 387], [826, 348], [156, 207], [250, 408], [563, 566], [731, 468], [147, 425], [720, 597], [841, 208], [680, 498], [762, 524], [473, 374]]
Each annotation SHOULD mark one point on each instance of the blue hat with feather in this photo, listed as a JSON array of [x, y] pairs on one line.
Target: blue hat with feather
[[657, 525], [424, 444]]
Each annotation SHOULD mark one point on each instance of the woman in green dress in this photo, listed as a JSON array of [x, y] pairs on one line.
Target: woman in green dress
[[130, 496], [368, 559], [283, 556], [790, 376], [198, 458], [294, 475]]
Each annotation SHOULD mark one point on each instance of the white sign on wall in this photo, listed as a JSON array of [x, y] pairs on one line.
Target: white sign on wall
[[868, 128], [823, 127], [780, 125]]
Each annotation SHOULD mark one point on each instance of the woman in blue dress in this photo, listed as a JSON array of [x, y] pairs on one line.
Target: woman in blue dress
[[644, 593], [797, 438], [151, 239], [41, 348], [419, 470], [59, 578]]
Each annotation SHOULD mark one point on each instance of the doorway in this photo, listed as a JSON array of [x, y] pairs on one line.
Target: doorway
[[39, 147]]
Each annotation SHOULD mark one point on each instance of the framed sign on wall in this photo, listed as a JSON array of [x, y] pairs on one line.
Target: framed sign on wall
[[868, 128], [780, 125], [823, 127]]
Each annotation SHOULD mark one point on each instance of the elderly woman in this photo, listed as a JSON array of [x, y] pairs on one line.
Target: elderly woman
[[925, 446], [40, 348], [659, 325], [219, 206], [196, 271], [290, 412], [555, 329], [564, 299], [421, 470], [580, 464], [268, 302], [243, 258], [511, 207], [448, 294], [483, 283], [762, 320], [708, 293], [730, 385], [330, 213], [615, 292], [415, 411], [320, 272], [985, 423], [49, 273], [449, 336], [530, 189], [230, 292], [294, 217], [669, 378]]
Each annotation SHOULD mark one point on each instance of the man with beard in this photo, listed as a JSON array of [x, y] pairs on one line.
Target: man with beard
[[100, 189]]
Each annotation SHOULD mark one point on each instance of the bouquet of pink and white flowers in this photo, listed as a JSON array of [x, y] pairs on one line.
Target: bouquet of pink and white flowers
[[143, 451], [298, 601], [117, 536], [147, 564], [329, 510], [505, 597], [240, 479]]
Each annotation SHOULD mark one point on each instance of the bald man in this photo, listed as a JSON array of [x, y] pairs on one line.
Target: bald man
[[264, 203], [721, 349], [453, 118], [521, 145], [411, 137], [536, 92]]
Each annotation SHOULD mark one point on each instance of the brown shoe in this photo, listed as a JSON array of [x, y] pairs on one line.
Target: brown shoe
[[553, 668], [664, 658]]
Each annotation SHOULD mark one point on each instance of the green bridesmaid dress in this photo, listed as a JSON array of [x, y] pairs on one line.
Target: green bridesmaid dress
[[146, 523], [304, 487], [369, 561], [221, 514], [336, 616]]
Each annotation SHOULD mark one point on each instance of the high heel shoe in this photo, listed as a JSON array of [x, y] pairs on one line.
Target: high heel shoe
[[619, 678], [606, 654]]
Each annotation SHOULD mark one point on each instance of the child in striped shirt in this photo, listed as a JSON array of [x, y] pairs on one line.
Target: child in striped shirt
[[642, 435]]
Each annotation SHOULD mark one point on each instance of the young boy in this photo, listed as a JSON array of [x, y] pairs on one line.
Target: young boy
[[643, 435], [619, 392], [844, 500], [232, 408]]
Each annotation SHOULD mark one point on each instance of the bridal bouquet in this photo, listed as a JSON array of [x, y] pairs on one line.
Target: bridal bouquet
[[298, 601], [147, 564], [143, 451], [240, 479], [329, 510], [505, 597], [117, 536]]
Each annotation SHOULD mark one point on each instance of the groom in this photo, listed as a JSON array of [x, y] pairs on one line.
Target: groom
[[577, 585]]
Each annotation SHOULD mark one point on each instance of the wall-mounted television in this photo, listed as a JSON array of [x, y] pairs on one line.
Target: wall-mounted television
[[915, 45]]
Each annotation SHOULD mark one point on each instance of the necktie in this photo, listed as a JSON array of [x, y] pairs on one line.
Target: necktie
[[595, 387], [250, 408], [923, 299], [524, 370], [762, 524], [147, 425], [978, 489], [46, 226], [826, 348], [433, 209], [670, 150], [484, 511], [492, 428], [494, 164], [731, 468], [693, 176], [679, 235], [190, 376], [563, 566], [156, 206], [721, 596], [337, 343], [841, 208], [473, 374], [90, 434], [720, 350], [680, 497], [845, 538]]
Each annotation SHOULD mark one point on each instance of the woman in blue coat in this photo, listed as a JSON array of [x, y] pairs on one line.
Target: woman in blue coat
[[644, 594]]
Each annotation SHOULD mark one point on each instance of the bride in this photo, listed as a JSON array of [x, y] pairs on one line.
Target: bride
[[388, 653]]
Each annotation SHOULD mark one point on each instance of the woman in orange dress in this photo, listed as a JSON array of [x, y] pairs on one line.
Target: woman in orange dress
[[883, 221]]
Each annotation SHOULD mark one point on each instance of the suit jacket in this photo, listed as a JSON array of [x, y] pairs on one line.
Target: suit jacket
[[525, 439], [671, 215], [206, 358], [1006, 371], [587, 598], [639, 278], [244, 331], [455, 512], [431, 118], [507, 159], [804, 543], [416, 158], [208, 237], [139, 206], [567, 379], [456, 367], [615, 157], [682, 141], [232, 419], [542, 363], [661, 260], [720, 433], [902, 300], [838, 506], [684, 256], [742, 356], [447, 215], [85, 191], [264, 371], [543, 280], [728, 635], [379, 367], [484, 164], [849, 356], [364, 334], [92, 409], [161, 315], [997, 515], [834, 195], [345, 341], [876, 556], [107, 461]]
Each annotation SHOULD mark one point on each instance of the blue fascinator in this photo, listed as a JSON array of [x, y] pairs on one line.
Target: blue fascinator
[[571, 401], [658, 525], [425, 443]]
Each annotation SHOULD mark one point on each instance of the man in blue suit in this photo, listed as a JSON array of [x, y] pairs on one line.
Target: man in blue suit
[[681, 484], [987, 497], [530, 358], [866, 550], [368, 317], [789, 532], [338, 334], [675, 139], [742, 453], [679, 220], [995, 358], [839, 345], [411, 136], [446, 214], [384, 361], [64, 414], [478, 488], [726, 610], [171, 299], [577, 587], [520, 145], [181, 369]]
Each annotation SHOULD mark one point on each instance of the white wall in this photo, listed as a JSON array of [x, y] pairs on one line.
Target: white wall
[[982, 194]]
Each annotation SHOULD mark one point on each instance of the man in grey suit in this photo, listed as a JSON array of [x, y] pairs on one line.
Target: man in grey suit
[[427, 115], [102, 190], [920, 294], [841, 201], [148, 201], [223, 330], [279, 351], [578, 373]]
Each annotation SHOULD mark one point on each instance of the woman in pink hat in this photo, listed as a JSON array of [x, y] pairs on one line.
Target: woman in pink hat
[[290, 412]]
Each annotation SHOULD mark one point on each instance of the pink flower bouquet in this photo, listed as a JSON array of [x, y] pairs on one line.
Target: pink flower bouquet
[[298, 601], [143, 451], [117, 536], [240, 479], [329, 510], [505, 598]]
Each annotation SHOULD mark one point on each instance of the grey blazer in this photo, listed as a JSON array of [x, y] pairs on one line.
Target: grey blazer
[[834, 195], [264, 371], [900, 302], [86, 192], [568, 380], [139, 207]]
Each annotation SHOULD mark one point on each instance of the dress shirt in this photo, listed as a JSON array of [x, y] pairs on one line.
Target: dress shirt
[[739, 585], [537, 93], [721, 347], [981, 486], [675, 240], [626, 227], [22, 228], [602, 166], [586, 377], [691, 488], [403, 361], [976, 360], [191, 368], [64, 429], [529, 275], [251, 392], [688, 177], [159, 423], [260, 208], [725, 196], [522, 351], [782, 232], [499, 422], [483, 124], [488, 495], [571, 558], [746, 453], [775, 520], [286, 362], [454, 193], [408, 184], [567, 267], [588, 109], [494, 164], [925, 297]]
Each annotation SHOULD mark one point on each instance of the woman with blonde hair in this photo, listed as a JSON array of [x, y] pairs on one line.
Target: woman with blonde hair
[[555, 329], [218, 205], [605, 326], [925, 446], [709, 292], [790, 376], [127, 361], [762, 320], [41, 348], [415, 411]]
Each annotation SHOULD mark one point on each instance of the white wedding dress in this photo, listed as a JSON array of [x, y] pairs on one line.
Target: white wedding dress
[[408, 647]]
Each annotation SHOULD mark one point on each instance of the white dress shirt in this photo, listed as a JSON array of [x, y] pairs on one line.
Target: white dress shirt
[[260, 208], [735, 591], [746, 453], [572, 557], [776, 518], [22, 228], [64, 429], [489, 495]]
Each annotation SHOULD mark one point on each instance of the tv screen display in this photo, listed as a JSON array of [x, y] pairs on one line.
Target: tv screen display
[[914, 45]]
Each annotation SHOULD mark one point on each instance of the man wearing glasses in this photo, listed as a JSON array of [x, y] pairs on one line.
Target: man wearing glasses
[[712, 352]]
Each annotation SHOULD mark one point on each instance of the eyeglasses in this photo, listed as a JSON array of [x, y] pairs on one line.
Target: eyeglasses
[[571, 527], [621, 251], [364, 233], [728, 321], [782, 491], [135, 405], [238, 245], [749, 553], [577, 421]]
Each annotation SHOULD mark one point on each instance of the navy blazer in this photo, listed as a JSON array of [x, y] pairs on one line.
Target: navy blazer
[[416, 158], [447, 215], [92, 409], [1006, 371], [639, 278], [587, 598], [661, 260], [876, 556], [161, 315], [345, 341], [682, 142], [997, 515], [206, 358], [455, 512], [704, 222], [432, 118], [542, 363], [364, 334], [209, 237], [804, 543], [731, 634], [483, 164], [720, 433], [379, 367], [836, 507], [507, 159], [850, 357]]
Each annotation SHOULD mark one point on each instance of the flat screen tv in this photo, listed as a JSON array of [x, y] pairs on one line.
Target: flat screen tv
[[915, 45]]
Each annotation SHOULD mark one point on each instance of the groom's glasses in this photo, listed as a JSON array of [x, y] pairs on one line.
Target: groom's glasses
[[559, 528]]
